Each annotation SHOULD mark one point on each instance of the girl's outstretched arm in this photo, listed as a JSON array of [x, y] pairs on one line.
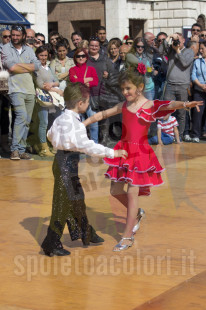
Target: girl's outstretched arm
[[117, 109], [176, 105]]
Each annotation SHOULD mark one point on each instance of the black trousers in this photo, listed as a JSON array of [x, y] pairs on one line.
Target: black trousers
[[68, 204]]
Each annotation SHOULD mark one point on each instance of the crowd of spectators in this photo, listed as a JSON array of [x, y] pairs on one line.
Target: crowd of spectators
[[175, 70]]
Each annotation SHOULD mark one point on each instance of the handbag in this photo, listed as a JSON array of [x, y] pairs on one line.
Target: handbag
[[4, 75], [43, 98]]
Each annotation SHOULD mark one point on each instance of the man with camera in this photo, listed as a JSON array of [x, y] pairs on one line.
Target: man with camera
[[180, 60]]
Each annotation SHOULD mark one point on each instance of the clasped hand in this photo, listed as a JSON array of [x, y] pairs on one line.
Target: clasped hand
[[121, 153]]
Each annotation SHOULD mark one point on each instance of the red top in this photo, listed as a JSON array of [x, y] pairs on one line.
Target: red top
[[76, 74]]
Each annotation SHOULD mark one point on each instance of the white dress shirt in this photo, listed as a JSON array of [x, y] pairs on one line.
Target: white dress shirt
[[69, 134]]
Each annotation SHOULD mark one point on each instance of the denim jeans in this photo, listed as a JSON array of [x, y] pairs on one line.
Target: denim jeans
[[93, 128], [179, 93], [149, 94], [44, 119], [166, 139], [23, 105]]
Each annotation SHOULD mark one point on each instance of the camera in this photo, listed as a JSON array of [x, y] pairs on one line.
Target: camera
[[157, 63], [176, 42]]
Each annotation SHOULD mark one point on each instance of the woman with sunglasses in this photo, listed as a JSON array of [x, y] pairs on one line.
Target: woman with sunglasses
[[61, 64], [86, 75], [137, 55]]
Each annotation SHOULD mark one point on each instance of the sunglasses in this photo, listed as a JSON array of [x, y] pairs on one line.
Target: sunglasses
[[196, 29], [139, 46], [38, 41], [129, 43], [160, 40], [81, 56], [203, 35], [93, 39], [17, 28], [5, 37]]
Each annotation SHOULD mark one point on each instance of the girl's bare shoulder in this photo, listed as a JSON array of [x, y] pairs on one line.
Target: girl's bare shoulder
[[148, 104]]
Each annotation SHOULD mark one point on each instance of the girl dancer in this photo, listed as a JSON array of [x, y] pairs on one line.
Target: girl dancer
[[141, 169]]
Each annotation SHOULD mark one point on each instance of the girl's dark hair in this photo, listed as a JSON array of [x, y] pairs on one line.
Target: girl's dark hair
[[50, 50], [75, 92], [81, 49], [131, 76], [41, 49]]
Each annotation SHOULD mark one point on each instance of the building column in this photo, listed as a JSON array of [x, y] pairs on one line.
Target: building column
[[41, 17], [117, 22]]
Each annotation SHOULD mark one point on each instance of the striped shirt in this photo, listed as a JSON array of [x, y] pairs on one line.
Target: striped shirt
[[168, 125]]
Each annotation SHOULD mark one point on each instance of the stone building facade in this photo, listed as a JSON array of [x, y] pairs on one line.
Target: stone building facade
[[35, 11], [121, 17]]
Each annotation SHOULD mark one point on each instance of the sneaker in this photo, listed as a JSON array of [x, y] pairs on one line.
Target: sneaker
[[25, 156], [187, 138], [195, 140], [15, 155]]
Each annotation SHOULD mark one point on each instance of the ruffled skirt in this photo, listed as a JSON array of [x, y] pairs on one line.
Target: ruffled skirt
[[141, 168]]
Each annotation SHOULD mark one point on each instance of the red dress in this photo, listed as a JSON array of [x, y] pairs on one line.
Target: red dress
[[141, 168]]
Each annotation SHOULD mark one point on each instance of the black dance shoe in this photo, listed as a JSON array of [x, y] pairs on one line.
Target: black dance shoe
[[57, 252], [94, 238]]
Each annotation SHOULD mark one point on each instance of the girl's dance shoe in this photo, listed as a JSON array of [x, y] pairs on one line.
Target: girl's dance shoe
[[140, 216], [122, 247]]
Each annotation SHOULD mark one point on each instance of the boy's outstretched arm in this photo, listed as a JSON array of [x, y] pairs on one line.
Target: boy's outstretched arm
[[117, 109]]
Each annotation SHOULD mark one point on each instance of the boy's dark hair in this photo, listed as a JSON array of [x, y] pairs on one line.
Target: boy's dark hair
[[100, 28], [161, 33], [61, 43], [53, 33], [203, 42], [76, 33], [39, 34], [197, 25], [75, 92]]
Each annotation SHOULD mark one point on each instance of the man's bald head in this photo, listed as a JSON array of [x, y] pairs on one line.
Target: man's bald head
[[30, 33], [149, 38], [124, 49]]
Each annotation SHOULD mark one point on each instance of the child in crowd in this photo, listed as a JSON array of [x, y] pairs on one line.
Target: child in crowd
[[141, 169], [167, 131], [68, 135]]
